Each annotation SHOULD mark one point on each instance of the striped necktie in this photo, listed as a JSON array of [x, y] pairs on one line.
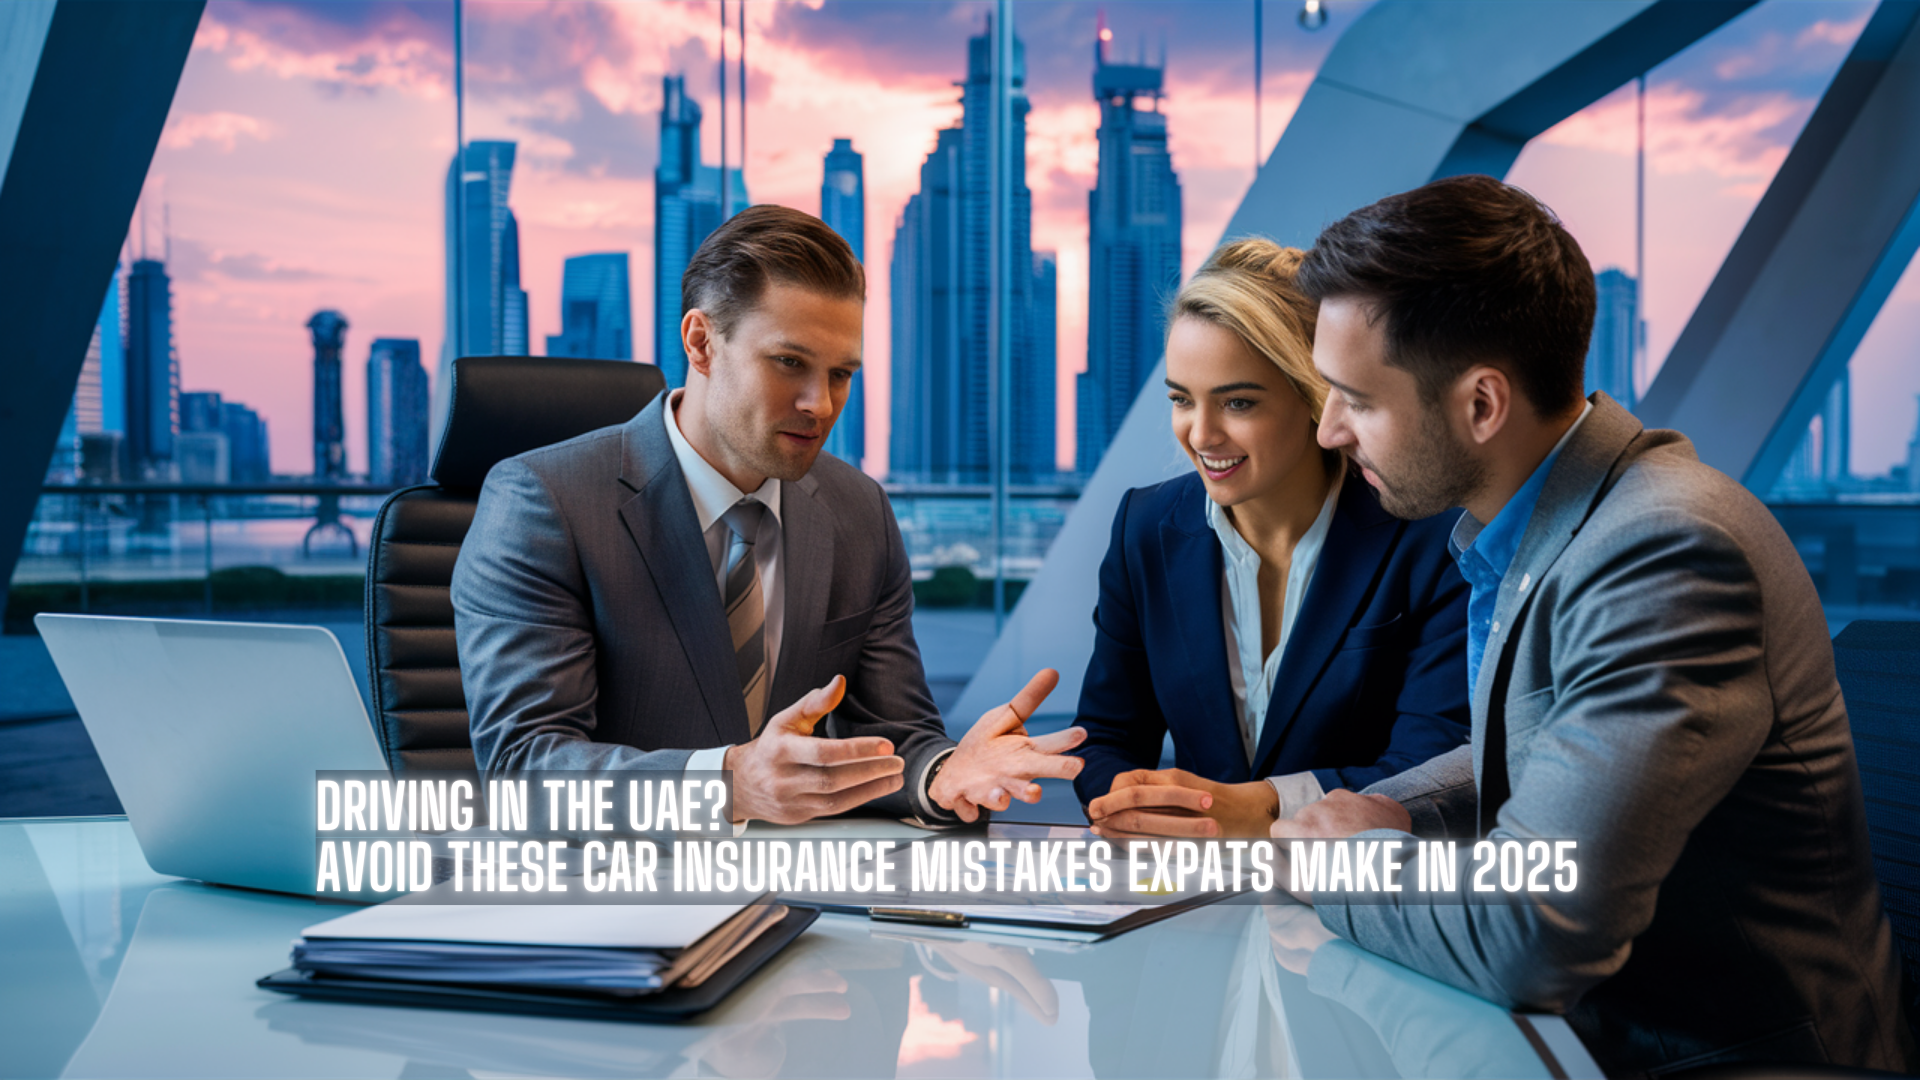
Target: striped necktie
[[746, 608]]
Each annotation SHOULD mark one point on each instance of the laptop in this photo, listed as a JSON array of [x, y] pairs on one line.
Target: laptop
[[211, 733]]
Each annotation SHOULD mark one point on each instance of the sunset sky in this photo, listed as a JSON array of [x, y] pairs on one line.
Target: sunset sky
[[304, 162]]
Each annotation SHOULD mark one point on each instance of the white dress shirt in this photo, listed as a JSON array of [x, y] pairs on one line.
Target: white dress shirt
[[1251, 674], [714, 495]]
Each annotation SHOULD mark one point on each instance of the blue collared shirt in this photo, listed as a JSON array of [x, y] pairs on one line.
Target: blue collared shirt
[[1484, 552]]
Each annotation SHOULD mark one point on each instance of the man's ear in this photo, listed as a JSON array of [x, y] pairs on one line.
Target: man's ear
[[1485, 399], [698, 337]]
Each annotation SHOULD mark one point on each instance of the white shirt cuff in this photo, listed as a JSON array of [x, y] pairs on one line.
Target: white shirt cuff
[[1297, 791], [713, 760]]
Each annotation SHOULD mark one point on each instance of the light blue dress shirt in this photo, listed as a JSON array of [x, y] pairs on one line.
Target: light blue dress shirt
[[1484, 553], [1250, 673]]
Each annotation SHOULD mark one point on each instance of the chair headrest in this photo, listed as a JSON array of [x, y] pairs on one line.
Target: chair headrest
[[507, 405]]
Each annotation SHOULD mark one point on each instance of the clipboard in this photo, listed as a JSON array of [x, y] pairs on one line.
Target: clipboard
[[677, 1003], [965, 917]]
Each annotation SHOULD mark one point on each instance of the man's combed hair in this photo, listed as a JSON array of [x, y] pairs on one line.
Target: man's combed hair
[[764, 244], [1466, 271]]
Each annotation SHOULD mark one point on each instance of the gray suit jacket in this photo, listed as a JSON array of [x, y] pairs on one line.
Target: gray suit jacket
[[590, 625], [1660, 675]]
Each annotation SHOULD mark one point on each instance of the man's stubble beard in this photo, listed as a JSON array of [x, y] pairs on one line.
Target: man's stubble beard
[[1442, 475], [761, 451]]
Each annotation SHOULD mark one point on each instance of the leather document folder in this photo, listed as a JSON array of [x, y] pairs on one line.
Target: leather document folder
[[677, 1002]]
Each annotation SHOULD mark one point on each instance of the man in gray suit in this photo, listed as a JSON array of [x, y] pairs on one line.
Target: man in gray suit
[[1651, 670], [697, 588]]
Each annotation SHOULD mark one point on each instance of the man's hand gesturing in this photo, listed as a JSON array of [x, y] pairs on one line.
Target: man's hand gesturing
[[787, 776], [997, 761]]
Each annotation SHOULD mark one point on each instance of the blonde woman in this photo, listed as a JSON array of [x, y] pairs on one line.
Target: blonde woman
[[1290, 634]]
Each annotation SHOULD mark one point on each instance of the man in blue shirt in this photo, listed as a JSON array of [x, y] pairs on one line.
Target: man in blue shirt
[[1651, 674]]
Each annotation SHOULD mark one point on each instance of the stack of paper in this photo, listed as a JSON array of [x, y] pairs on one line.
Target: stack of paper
[[618, 949]]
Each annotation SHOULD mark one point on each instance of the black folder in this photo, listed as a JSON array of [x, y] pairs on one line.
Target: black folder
[[675, 1003]]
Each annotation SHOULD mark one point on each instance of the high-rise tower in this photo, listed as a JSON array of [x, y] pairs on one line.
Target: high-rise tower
[[153, 371], [486, 307], [941, 297], [1133, 219], [1616, 332], [686, 207], [99, 398], [329, 330], [596, 309], [1836, 432], [843, 206], [396, 413]]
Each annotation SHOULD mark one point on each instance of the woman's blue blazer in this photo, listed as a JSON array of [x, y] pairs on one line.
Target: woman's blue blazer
[[1373, 680]]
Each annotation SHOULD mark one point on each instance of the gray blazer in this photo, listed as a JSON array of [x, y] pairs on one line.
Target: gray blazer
[[590, 626], [1660, 676]]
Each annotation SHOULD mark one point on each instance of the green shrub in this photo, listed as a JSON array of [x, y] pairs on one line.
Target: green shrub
[[235, 589], [956, 587]]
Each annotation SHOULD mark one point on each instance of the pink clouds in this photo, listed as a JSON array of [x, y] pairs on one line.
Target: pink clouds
[[308, 151], [222, 129], [577, 87], [1740, 141], [396, 49]]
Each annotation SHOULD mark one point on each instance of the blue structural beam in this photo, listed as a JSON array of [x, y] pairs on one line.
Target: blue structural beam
[[84, 90], [1811, 269], [1414, 91]]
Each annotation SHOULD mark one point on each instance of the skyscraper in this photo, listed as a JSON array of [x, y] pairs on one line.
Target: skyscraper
[[110, 329], [596, 309], [1133, 218], [204, 453], [1836, 432], [686, 207], [486, 307], [1035, 433], [843, 206], [153, 371], [249, 460], [86, 415], [513, 298], [1616, 331], [200, 411], [1822, 464], [329, 330], [396, 413], [941, 280]]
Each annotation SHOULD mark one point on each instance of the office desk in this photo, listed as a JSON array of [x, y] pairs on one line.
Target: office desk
[[110, 970]]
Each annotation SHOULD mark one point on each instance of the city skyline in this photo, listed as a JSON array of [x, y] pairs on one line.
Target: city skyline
[[246, 163]]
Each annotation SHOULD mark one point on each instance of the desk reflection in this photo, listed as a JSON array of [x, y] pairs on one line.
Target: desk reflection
[[1231, 990]]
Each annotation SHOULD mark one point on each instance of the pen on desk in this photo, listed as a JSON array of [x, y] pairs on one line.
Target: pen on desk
[[920, 916]]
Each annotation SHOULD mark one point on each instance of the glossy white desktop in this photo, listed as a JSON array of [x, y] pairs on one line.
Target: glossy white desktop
[[110, 970]]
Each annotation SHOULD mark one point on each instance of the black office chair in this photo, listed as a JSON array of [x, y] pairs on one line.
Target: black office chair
[[501, 406], [1879, 668]]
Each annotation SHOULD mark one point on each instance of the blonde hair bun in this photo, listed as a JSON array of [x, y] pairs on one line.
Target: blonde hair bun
[[1248, 287]]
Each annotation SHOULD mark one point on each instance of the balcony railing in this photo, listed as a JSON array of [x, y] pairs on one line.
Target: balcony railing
[[208, 549]]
